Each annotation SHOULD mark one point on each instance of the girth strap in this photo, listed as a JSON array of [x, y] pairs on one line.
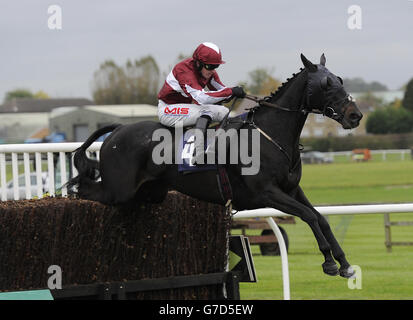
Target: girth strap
[[224, 186]]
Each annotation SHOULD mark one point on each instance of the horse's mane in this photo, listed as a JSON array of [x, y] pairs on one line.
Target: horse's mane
[[283, 87]]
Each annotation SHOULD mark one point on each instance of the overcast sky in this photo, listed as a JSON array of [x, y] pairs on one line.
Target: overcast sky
[[250, 34]]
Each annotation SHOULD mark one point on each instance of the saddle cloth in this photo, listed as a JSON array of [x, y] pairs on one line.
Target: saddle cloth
[[186, 146], [186, 150]]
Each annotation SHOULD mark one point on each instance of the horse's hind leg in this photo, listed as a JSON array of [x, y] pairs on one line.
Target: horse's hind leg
[[279, 200], [345, 269], [120, 179], [154, 191]]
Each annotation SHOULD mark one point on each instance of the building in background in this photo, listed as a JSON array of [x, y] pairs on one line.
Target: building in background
[[77, 123], [76, 118], [21, 119]]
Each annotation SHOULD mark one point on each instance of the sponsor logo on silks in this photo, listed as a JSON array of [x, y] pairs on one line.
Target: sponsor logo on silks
[[176, 111]]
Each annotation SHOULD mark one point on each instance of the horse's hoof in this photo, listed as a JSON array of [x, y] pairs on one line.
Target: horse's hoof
[[347, 272], [330, 268]]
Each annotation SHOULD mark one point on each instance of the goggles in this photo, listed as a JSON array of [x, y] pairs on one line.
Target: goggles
[[211, 66]]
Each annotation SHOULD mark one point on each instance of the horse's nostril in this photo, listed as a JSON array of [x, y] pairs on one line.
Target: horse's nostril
[[356, 116]]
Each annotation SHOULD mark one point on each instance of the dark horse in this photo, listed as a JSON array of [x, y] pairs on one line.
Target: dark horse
[[128, 172]]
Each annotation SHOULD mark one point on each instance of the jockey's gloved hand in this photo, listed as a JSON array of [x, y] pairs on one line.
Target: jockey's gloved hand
[[238, 92]]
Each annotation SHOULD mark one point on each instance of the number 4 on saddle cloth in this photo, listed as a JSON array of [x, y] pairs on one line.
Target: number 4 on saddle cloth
[[186, 152], [187, 146]]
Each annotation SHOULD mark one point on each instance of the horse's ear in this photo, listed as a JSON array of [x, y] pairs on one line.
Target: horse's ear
[[323, 60], [308, 64]]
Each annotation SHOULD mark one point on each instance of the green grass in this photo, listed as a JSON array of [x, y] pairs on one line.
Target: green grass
[[20, 169], [384, 275], [366, 182]]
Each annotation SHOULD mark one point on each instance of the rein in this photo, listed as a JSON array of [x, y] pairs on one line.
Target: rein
[[263, 102], [252, 123]]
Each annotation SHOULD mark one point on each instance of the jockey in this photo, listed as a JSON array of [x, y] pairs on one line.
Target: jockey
[[183, 99]]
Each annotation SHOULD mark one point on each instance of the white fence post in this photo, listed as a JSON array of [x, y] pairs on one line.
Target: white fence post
[[39, 178], [50, 168], [63, 180], [25, 150], [15, 170], [3, 176], [284, 257], [27, 177]]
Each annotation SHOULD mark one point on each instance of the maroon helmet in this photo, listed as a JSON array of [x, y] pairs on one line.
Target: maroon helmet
[[208, 53]]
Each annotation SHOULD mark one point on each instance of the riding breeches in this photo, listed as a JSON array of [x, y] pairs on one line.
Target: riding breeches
[[181, 114]]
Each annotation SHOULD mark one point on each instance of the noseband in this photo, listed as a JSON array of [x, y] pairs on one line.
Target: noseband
[[329, 110]]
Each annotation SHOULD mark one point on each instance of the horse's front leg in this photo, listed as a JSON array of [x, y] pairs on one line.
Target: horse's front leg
[[276, 198], [345, 269]]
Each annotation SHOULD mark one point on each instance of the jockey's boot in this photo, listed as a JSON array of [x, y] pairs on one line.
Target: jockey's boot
[[201, 124]]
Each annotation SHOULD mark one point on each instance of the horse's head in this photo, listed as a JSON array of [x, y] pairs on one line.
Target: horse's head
[[326, 94]]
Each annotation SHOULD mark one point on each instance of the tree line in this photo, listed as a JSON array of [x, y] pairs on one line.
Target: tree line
[[138, 81], [396, 117], [358, 84], [135, 82], [23, 93]]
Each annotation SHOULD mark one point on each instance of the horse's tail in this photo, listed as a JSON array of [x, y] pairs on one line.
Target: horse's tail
[[88, 169]]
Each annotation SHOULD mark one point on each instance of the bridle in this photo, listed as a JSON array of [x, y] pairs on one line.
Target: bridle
[[327, 110]]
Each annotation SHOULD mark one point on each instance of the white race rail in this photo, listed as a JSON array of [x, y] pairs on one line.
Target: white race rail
[[403, 153], [37, 149], [63, 148], [269, 213]]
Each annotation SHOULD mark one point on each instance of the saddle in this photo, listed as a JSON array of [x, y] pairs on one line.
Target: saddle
[[185, 151]]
